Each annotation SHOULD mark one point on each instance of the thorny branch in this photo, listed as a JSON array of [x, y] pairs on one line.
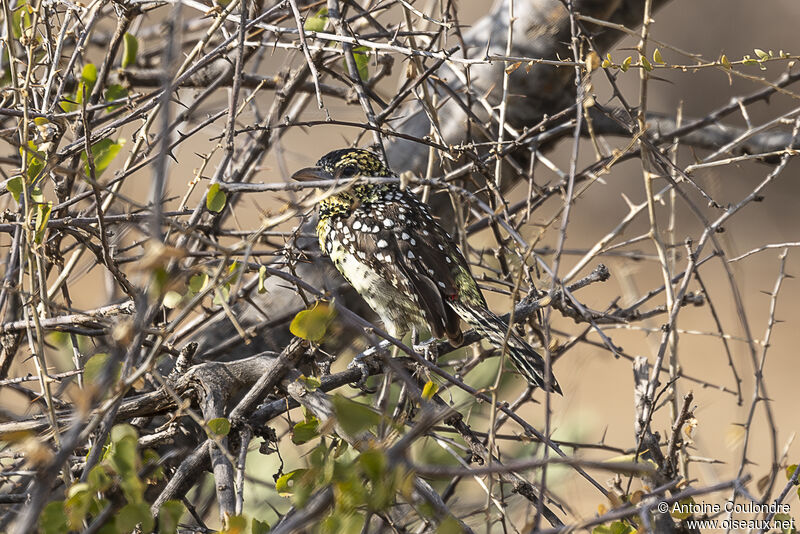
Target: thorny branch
[[176, 322]]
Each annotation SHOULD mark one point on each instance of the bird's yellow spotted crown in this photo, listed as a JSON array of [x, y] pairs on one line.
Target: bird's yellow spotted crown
[[351, 161], [347, 163]]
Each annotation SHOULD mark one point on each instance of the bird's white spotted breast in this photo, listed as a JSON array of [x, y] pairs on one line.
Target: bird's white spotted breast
[[398, 315]]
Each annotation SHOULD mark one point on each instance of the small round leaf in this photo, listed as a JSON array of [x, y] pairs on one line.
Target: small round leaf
[[216, 198], [130, 46], [219, 426]]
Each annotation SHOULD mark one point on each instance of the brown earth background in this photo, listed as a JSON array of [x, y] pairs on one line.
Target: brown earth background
[[598, 402]]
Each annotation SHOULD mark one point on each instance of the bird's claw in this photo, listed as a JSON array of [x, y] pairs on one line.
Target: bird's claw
[[428, 351], [358, 363]]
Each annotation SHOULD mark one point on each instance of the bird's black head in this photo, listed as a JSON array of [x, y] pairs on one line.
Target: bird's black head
[[347, 163], [344, 163]]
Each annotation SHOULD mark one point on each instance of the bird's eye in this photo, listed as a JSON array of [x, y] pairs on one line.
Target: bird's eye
[[348, 171]]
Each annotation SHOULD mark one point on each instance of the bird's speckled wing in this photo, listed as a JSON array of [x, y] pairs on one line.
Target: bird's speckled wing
[[408, 245]]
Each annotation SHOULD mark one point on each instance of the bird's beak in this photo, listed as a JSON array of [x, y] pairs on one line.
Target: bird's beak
[[310, 174]]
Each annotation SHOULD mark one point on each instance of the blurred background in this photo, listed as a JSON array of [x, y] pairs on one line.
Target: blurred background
[[597, 406]]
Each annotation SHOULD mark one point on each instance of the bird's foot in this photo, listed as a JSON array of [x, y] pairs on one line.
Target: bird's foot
[[359, 362], [428, 350]]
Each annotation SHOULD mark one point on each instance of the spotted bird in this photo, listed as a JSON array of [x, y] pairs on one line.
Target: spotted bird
[[402, 262]]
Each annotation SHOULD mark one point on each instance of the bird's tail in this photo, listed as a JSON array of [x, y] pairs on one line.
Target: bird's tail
[[525, 358]]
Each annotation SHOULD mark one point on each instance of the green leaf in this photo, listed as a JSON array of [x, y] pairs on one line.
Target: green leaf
[[53, 519], [305, 431], [198, 282], [354, 417], [312, 324], [341, 448], [98, 479], [37, 195], [384, 492], [14, 186], [285, 484], [317, 22], [152, 460], [617, 527], [784, 522], [626, 64], [683, 504], [80, 92], [362, 61], [645, 64], [342, 520], [123, 431], [215, 198], [429, 390], [219, 426], [133, 514], [449, 526], [605, 64], [16, 21], [21, 22], [373, 462], [160, 280], [318, 459], [68, 104], [77, 489], [115, 92], [172, 299], [233, 270], [42, 216], [88, 79], [235, 525], [790, 473], [79, 499], [259, 527], [311, 383], [103, 152], [89, 75], [221, 294], [262, 277], [97, 506], [94, 366], [124, 458], [130, 46], [169, 515], [132, 488], [110, 527], [657, 59], [761, 54], [34, 160]]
